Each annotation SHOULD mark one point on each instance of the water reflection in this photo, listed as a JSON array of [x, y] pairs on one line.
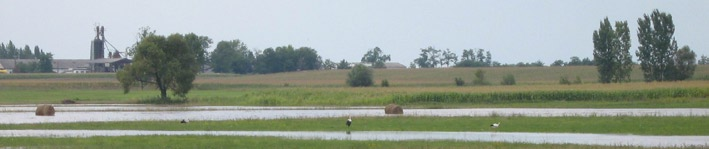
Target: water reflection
[[21, 114], [555, 138]]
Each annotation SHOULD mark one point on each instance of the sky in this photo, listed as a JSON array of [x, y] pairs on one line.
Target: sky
[[512, 30]]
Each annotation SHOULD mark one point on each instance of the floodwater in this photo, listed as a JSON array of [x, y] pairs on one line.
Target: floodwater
[[23, 114], [538, 138]]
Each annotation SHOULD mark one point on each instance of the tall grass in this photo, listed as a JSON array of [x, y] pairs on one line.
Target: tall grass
[[539, 96]]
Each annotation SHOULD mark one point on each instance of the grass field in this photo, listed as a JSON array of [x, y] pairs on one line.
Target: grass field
[[261, 142], [627, 95], [644, 125], [423, 88]]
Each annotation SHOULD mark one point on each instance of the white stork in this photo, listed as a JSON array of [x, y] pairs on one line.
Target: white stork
[[349, 122], [495, 125]]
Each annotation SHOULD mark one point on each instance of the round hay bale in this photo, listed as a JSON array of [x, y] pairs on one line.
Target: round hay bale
[[393, 109], [68, 101], [44, 110]]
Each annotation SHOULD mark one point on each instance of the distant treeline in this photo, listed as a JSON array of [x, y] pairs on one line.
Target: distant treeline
[[234, 57], [9, 51]]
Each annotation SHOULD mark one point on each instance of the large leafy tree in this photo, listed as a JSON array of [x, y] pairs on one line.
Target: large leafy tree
[[574, 61], [558, 63], [37, 52], [232, 57], [26, 53], [685, 61], [624, 61], [45, 63], [329, 64], [448, 58], [360, 76], [287, 58], [3, 51], [703, 60], [428, 58], [658, 52], [610, 52], [12, 52], [307, 59], [199, 45], [376, 57], [167, 62], [471, 59], [343, 64]]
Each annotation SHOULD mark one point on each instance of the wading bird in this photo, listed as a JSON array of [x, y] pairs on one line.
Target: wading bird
[[185, 121], [349, 122], [495, 125]]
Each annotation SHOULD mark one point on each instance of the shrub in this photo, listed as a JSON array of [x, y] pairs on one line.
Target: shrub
[[360, 76], [385, 83], [508, 79], [480, 78], [459, 81], [578, 80], [564, 80]]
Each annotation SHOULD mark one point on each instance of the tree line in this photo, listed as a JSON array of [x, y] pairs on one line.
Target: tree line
[[235, 57], [9, 51], [44, 65], [659, 56], [574, 61]]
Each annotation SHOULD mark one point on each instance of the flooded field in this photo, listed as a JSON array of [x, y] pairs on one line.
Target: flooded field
[[555, 138], [23, 114]]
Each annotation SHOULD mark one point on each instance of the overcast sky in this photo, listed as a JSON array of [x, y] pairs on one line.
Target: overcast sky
[[513, 30]]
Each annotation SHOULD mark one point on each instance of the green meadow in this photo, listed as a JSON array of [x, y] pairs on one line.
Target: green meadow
[[159, 141], [419, 88], [638, 125]]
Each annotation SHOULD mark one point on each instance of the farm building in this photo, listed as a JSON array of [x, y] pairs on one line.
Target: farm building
[[98, 61], [73, 65]]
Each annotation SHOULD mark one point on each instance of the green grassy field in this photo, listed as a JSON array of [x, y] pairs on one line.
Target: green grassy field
[[261, 142], [414, 88], [630, 95], [643, 125]]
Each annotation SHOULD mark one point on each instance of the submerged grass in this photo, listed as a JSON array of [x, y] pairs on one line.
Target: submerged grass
[[644, 125], [160, 141]]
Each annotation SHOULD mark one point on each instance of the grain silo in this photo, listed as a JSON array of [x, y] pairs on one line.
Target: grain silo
[[97, 48]]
